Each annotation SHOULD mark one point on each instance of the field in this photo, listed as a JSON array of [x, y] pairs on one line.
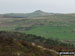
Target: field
[[54, 26], [64, 33]]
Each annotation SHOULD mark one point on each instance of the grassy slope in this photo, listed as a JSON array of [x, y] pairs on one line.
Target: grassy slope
[[64, 33], [43, 25]]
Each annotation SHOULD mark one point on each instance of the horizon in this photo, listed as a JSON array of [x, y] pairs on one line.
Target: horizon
[[33, 12]]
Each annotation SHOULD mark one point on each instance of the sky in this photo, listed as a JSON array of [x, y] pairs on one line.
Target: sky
[[26, 6]]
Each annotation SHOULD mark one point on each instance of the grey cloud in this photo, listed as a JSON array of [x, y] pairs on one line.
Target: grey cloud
[[21, 6]]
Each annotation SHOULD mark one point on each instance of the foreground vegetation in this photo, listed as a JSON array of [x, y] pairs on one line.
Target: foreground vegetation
[[38, 40], [13, 44], [19, 44]]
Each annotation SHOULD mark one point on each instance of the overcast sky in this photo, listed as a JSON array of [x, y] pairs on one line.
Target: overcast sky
[[24, 6]]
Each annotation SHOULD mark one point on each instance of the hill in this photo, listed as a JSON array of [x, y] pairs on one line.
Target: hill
[[38, 40], [40, 23], [25, 15], [11, 46]]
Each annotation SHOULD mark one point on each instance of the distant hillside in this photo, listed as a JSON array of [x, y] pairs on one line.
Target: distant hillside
[[24, 15], [36, 13], [40, 23], [58, 26]]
